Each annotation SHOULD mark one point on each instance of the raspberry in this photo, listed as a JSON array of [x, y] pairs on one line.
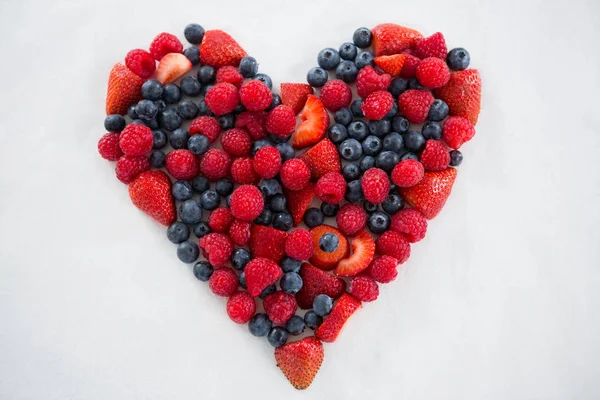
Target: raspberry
[[377, 105], [336, 94], [281, 121], [432, 46], [215, 164], [411, 223], [141, 63], [383, 269], [182, 164], [369, 81], [255, 95], [299, 245], [129, 167], [164, 44], [242, 171], [261, 273], [220, 219], [254, 122], [267, 162], [267, 242], [414, 105], [229, 74], [436, 156], [433, 73], [241, 307], [294, 174], [409, 69], [136, 140], [351, 218], [407, 173], [207, 126], [216, 248], [246, 202], [223, 282], [331, 188], [108, 147], [236, 142], [375, 185], [364, 288], [393, 244], [240, 232], [222, 98], [280, 306], [457, 131]]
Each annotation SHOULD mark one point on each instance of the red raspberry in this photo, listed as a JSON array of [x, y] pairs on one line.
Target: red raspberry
[[331, 187], [280, 306], [141, 63], [414, 105], [216, 248], [229, 74], [236, 142], [377, 105], [129, 167], [240, 232], [246, 202], [255, 95], [393, 244], [222, 98], [261, 273], [369, 81], [182, 164], [457, 131], [108, 147], [351, 218], [294, 174], [242, 171], [432, 46], [136, 140], [207, 126], [215, 164], [383, 269], [336, 94], [241, 307], [267, 162], [375, 185], [411, 223], [436, 156], [220, 220], [223, 282], [164, 44], [409, 69], [299, 245], [281, 121], [364, 288], [254, 122], [433, 73], [407, 173]]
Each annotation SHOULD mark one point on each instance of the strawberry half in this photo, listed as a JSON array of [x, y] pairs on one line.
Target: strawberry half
[[315, 121], [335, 321], [323, 259], [295, 95], [219, 49], [267, 242], [363, 251], [298, 201], [430, 194], [391, 64], [171, 67], [124, 89], [151, 193], [322, 158], [316, 282], [391, 39], [463, 94], [300, 361]]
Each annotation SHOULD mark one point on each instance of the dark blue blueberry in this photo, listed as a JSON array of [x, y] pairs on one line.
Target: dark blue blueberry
[[371, 145], [356, 109], [458, 59], [198, 144], [313, 217], [277, 336], [275, 101], [193, 54], [190, 212], [291, 283], [295, 325], [206, 74], [205, 89], [438, 110], [329, 210], [322, 305], [393, 111], [157, 159], [343, 116], [146, 110], [131, 112], [203, 271], [351, 172], [200, 184], [264, 78], [316, 77], [152, 90], [248, 67], [242, 280], [227, 121], [329, 242], [283, 221], [393, 142], [179, 138], [182, 190], [358, 130], [409, 156], [188, 252], [456, 158], [152, 124], [392, 204], [269, 187], [258, 145], [414, 141], [169, 119], [265, 218], [337, 133], [203, 109], [210, 200], [387, 160], [290, 265], [328, 59], [160, 104], [362, 37], [397, 87], [348, 51], [369, 207], [260, 325], [187, 109], [378, 222], [228, 201], [350, 149], [287, 152], [114, 123], [413, 83], [201, 229], [400, 124], [138, 122], [267, 291], [354, 192], [277, 203], [178, 232], [432, 130], [346, 71], [224, 187], [239, 109], [193, 33], [363, 59], [366, 163], [240, 258], [171, 93], [312, 320], [190, 86], [278, 139]]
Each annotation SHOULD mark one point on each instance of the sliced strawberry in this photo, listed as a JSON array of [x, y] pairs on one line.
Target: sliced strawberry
[[171, 67], [391, 39], [316, 282], [300, 361], [363, 250], [335, 321], [298, 201], [315, 121], [322, 158], [219, 49], [323, 259], [267, 242], [295, 94], [430, 194], [391, 64], [124, 89], [463, 94]]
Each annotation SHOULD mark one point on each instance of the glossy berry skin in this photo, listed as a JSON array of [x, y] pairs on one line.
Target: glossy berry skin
[[362, 37], [348, 51], [209, 200], [372, 145], [456, 158], [193, 54], [380, 127], [343, 116], [200, 184], [286, 151], [190, 212], [295, 325], [322, 305], [328, 59], [190, 86], [358, 130], [313, 217], [264, 78], [458, 59], [337, 133], [431, 130], [364, 59], [350, 149], [265, 218], [157, 159], [291, 282], [152, 90], [400, 124], [346, 71], [277, 336], [182, 190], [398, 86], [393, 142], [283, 221], [159, 139], [169, 119], [329, 210], [366, 163], [290, 265], [260, 325], [356, 108], [187, 109], [414, 141], [248, 67], [354, 191], [329, 242], [193, 33], [438, 110], [387, 160], [369, 207], [316, 77], [178, 232], [114, 123], [392, 204], [351, 172], [202, 271], [378, 222], [171, 93], [179, 138], [312, 320], [201, 229], [188, 252]]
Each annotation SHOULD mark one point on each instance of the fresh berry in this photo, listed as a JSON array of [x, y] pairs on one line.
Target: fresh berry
[[239, 232], [291, 282], [236, 142], [375, 185], [343, 309], [248, 67], [136, 140], [290, 265], [295, 174], [129, 167], [315, 282], [187, 109], [151, 193], [124, 89], [432, 130], [364, 59], [409, 69], [338, 133], [435, 157], [277, 203], [281, 121], [456, 158], [298, 201], [354, 191], [219, 49], [458, 59], [351, 219], [260, 325], [209, 200], [171, 93], [392, 204], [312, 320], [378, 222], [300, 361], [415, 104], [194, 33], [108, 147], [313, 217], [182, 164], [215, 164], [433, 73], [265, 218], [200, 184], [203, 271], [331, 188], [364, 288], [322, 158], [383, 269], [114, 123], [316, 77], [261, 273], [391, 65], [393, 244], [187, 252], [268, 242], [295, 325], [299, 245], [280, 307], [294, 95], [253, 122], [463, 94], [242, 171], [229, 74], [283, 221], [363, 250], [216, 248], [240, 306], [315, 121], [182, 190], [348, 51], [432, 46], [264, 78], [327, 260], [220, 220], [179, 138], [328, 59], [223, 282], [362, 37], [322, 305], [392, 39], [457, 131], [347, 71], [222, 98], [240, 257], [369, 81], [164, 44], [141, 63], [350, 149], [171, 67], [411, 223], [377, 105], [255, 96], [336, 94], [329, 242], [246, 202], [207, 126], [190, 212], [351, 172], [431, 193]]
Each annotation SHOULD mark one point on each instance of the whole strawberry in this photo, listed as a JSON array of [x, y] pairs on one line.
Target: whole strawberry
[[430, 194], [300, 361], [219, 48], [124, 89], [462, 93], [151, 193]]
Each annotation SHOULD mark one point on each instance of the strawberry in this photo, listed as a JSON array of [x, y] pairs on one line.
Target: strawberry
[[430, 194], [391, 64], [409, 70], [391, 39], [323, 259], [316, 282], [322, 158], [124, 89], [432, 46], [267, 242], [151, 193], [295, 94], [171, 67], [363, 250], [300, 361], [219, 49], [298, 201], [462, 94], [335, 321], [315, 121]]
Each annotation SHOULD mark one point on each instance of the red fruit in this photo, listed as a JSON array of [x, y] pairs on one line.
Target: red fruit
[[222, 98], [383, 269], [322, 158], [294, 174], [295, 94], [298, 201], [393, 244], [215, 164], [411, 223], [241, 307], [414, 105], [216, 248], [300, 361], [141, 63], [436, 156], [377, 105], [315, 121], [255, 95], [281, 121], [254, 122], [246, 202], [335, 321], [124, 89], [267, 162], [129, 167], [316, 282], [456, 131], [430, 195], [229, 74], [331, 188], [236, 142], [391, 39], [364, 288], [182, 164], [219, 49], [369, 81], [280, 306], [220, 220], [267, 242], [108, 147], [242, 171], [375, 185], [172, 67], [299, 245], [363, 250], [327, 260], [261, 273], [164, 44], [463, 94], [409, 70], [240, 232], [432, 46], [433, 72], [151, 193], [207, 126], [223, 282], [407, 173], [393, 64], [136, 140], [351, 218], [336, 94]]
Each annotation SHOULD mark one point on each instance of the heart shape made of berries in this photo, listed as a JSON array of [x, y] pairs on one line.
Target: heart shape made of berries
[[208, 148]]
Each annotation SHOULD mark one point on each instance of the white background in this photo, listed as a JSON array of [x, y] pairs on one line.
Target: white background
[[500, 301]]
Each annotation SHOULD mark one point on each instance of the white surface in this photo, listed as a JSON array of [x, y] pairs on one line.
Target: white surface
[[499, 302]]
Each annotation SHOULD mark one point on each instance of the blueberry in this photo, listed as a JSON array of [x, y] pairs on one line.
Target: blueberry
[[240, 258], [295, 325], [408, 155], [260, 325], [316, 77], [203, 109], [242, 280], [265, 218], [328, 59], [277, 336], [283, 221], [348, 51], [187, 109], [456, 158], [258, 145], [356, 109], [392, 204], [203, 271], [188, 252], [369, 207], [362, 37], [371, 145], [329, 210], [275, 101], [239, 109], [290, 265], [350, 149], [206, 74], [152, 124], [438, 110], [387, 160], [351, 172], [322, 305], [157, 159], [114, 123], [432, 130], [146, 110], [346, 71], [190, 86], [393, 111], [313, 217], [358, 130], [264, 78], [228, 201], [210, 200], [201, 229], [182, 190], [354, 192], [171, 93], [278, 139], [138, 122], [224, 187], [414, 141], [337, 133], [178, 232], [198, 144], [312, 320], [269, 187], [278, 203], [248, 67], [413, 83], [226, 121], [397, 87], [131, 112], [363, 59], [159, 138], [205, 89], [393, 142], [179, 138], [329, 242], [169, 119], [193, 54], [190, 212], [200, 184], [378, 222], [291, 283], [366, 163], [287, 152], [152, 90], [458, 59], [400, 124], [343, 116], [160, 104], [267, 291], [193, 33]]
